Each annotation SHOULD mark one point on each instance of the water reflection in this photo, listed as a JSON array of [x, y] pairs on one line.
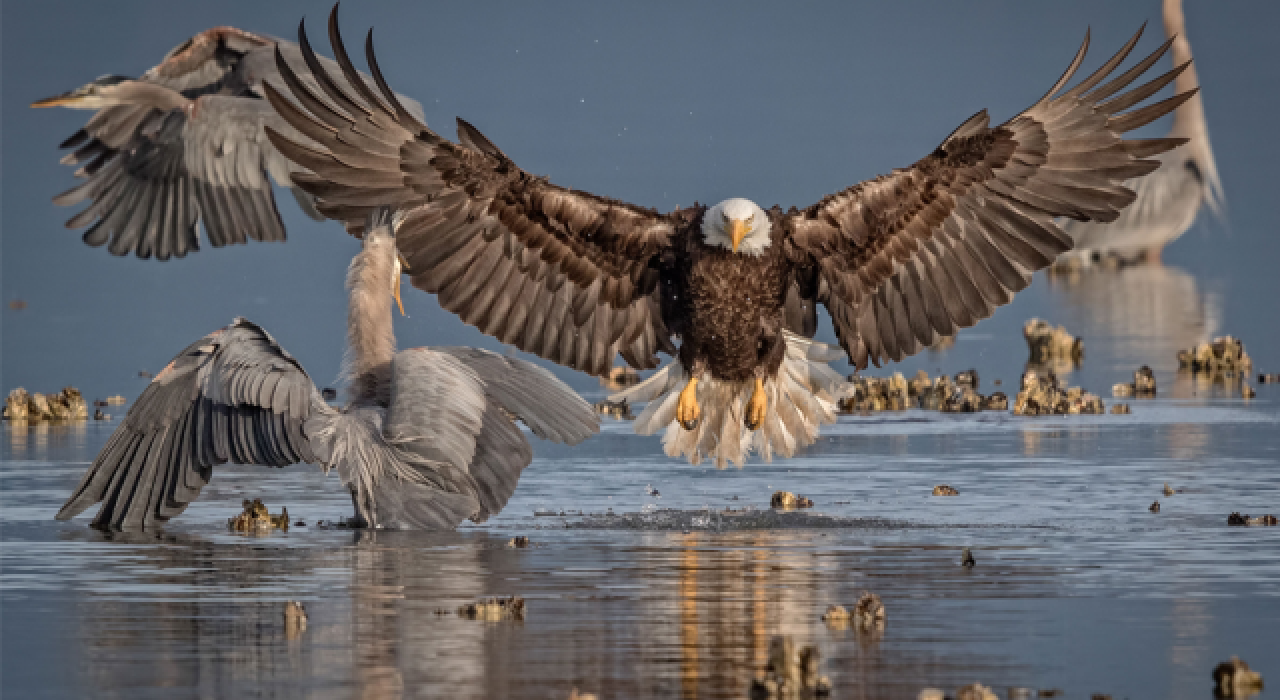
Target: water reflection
[[1137, 315]]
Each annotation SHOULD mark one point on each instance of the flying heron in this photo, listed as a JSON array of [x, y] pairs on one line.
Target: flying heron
[[425, 440], [1169, 199], [185, 143]]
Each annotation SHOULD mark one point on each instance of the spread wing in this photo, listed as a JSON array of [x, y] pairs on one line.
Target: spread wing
[[562, 274], [234, 395], [189, 147], [206, 163], [937, 246]]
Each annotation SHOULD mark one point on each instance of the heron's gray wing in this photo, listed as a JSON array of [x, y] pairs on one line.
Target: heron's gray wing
[[234, 395], [939, 245], [206, 163], [451, 407], [562, 274], [552, 410]]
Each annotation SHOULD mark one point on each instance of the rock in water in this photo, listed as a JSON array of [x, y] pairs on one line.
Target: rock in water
[[966, 559], [976, 691], [790, 674], [617, 410], [1224, 355], [1043, 395], [787, 500], [1234, 679], [1120, 409], [255, 518], [519, 542], [1155, 507], [1047, 343], [869, 611], [494, 609], [15, 405], [944, 490]]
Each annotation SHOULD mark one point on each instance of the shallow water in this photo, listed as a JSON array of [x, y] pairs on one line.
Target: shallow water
[[1077, 585]]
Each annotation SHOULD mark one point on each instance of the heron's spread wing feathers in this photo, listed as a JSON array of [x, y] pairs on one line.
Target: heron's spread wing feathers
[[562, 274], [937, 246], [532, 394], [234, 395]]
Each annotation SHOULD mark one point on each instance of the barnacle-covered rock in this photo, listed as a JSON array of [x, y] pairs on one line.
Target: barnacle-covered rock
[[790, 673], [255, 518], [618, 410], [1120, 409], [1234, 679], [787, 500], [15, 405], [1224, 355], [494, 609], [1042, 395], [1047, 343], [944, 490]]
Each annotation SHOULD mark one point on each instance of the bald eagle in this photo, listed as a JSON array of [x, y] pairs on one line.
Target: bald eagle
[[577, 278]]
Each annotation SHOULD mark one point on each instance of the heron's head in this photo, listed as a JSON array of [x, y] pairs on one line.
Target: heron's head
[[737, 224], [95, 95], [380, 250]]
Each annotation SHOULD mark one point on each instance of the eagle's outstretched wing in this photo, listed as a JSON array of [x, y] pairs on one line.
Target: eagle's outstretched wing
[[937, 246], [562, 274], [234, 395]]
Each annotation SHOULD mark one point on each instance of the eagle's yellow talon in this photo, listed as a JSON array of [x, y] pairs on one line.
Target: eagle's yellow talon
[[757, 406], [687, 412]]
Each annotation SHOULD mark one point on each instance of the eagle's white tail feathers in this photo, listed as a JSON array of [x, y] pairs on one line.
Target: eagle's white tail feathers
[[799, 397]]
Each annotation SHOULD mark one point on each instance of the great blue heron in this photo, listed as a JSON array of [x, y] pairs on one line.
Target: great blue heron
[[1169, 199], [576, 278], [181, 144], [426, 439]]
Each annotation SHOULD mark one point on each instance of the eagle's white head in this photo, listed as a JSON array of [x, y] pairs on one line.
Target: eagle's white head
[[737, 224]]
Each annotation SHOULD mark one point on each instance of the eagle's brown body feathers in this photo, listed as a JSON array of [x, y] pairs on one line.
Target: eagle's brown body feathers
[[580, 279], [728, 306]]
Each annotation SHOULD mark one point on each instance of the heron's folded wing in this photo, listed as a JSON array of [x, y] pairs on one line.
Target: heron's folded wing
[[562, 274], [914, 255], [234, 395]]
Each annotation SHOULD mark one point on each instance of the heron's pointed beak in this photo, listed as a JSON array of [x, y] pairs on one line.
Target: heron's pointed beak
[[402, 268], [737, 231], [66, 99], [395, 292]]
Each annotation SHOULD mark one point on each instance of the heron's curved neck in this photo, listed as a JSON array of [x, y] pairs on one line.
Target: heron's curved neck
[[371, 341]]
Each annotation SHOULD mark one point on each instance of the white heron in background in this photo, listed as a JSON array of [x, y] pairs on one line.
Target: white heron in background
[[1169, 199]]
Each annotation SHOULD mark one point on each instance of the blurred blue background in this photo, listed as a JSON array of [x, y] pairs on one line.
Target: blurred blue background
[[660, 104]]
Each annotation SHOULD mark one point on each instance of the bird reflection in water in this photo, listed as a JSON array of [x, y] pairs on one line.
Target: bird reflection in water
[[1140, 314]]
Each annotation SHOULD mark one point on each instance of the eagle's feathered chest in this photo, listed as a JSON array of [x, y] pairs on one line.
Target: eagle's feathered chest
[[728, 307]]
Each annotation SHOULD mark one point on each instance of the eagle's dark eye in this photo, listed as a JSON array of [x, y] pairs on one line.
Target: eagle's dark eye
[[724, 216]]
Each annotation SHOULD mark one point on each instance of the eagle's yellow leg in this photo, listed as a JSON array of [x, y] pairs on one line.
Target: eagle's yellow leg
[[757, 406], [687, 411]]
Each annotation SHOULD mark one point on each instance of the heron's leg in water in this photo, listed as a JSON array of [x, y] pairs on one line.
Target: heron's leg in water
[[359, 519]]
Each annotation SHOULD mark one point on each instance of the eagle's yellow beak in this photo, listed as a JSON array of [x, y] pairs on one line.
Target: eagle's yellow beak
[[737, 231]]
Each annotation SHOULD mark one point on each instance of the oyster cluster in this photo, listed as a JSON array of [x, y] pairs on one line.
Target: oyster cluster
[[1049, 345], [66, 405], [1225, 355], [255, 518], [788, 501], [896, 393], [1042, 394], [494, 609], [1142, 387], [790, 674], [617, 410]]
